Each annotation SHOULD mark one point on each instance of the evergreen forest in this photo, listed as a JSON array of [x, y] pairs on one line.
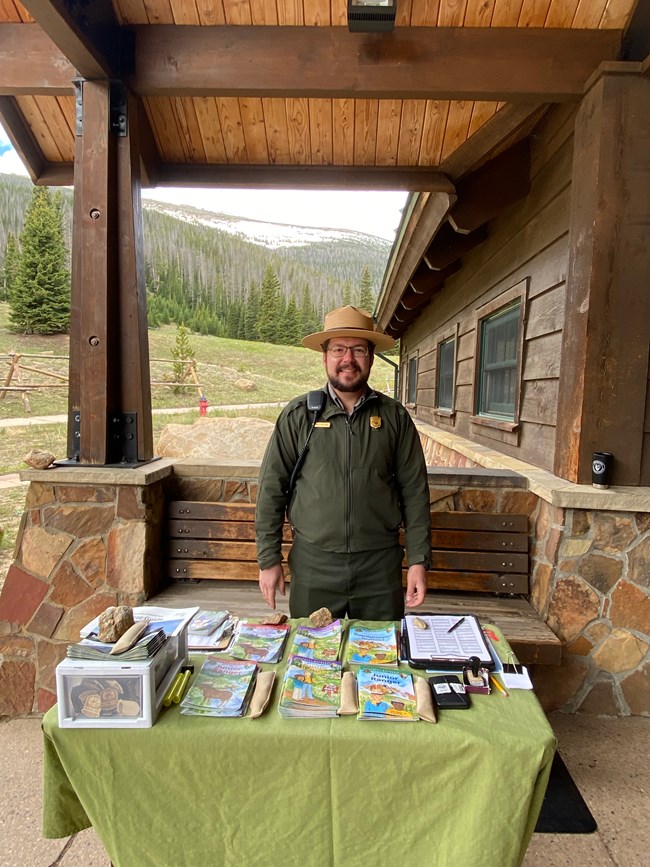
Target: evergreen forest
[[212, 281]]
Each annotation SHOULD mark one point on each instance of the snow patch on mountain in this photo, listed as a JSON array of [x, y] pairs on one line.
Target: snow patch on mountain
[[273, 236]]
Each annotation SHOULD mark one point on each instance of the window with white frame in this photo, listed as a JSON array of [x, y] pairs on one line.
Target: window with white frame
[[445, 374], [412, 389], [498, 362]]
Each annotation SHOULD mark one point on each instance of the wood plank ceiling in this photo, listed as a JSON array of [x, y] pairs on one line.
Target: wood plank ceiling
[[278, 93]]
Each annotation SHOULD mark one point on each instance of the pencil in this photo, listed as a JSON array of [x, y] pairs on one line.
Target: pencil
[[454, 625], [498, 686]]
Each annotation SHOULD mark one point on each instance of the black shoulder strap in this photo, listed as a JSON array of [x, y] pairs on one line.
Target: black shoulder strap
[[315, 405]]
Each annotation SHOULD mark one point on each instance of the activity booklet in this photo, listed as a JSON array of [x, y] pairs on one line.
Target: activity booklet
[[370, 645], [386, 694], [318, 642], [310, 688], [222, 688], [260, 642]]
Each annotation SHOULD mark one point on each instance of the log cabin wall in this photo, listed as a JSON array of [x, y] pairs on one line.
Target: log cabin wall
[[526, 253]]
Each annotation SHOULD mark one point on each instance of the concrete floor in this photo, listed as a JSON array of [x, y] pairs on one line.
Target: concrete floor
[[608, 758]]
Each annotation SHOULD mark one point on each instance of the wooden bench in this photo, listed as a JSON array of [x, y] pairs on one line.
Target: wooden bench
[[479, 563]]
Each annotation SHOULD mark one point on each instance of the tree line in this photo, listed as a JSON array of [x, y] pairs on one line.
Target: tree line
[[35, 281]]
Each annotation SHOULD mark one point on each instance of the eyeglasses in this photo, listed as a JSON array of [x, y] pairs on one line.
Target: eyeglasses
[[339, 351]]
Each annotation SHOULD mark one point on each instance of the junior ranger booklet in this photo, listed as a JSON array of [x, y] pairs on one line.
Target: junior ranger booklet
[[310, 688], [223, 688], [372, 645], [386, 694], [318, 642]]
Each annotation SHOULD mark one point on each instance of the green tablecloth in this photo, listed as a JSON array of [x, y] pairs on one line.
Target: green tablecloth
[[197, 791]]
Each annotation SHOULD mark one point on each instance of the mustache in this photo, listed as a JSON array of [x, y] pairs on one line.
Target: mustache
[[348, 365]]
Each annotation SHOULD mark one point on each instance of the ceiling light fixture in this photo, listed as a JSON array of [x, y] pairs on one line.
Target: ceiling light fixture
[[371, 16]]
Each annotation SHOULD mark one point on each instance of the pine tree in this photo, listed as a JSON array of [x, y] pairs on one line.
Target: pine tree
[[291, 324], [10, 268], [182, 353], [366, 295], [347, 294], [41, 301], [270, 305]]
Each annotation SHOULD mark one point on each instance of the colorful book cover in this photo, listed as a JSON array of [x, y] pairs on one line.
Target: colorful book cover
[[372, 645], [310, 688], [222, 687], [260, 643], [205, 622], [385, 694], [314, 642]]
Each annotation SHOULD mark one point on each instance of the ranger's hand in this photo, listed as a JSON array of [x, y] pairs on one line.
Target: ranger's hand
[[416, 585], [270, 580]]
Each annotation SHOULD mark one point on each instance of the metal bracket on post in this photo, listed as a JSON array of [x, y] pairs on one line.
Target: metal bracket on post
[[123, 438], [118, 109], [78, 84], [75, 423]]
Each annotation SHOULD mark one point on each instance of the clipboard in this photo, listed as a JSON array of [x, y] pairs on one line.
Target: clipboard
[[446, 643]]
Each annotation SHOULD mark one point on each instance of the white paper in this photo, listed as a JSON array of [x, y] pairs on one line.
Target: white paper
[[517, 681], [437, 643]]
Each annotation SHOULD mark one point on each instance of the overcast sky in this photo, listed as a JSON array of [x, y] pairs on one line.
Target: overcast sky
[[376, 213]]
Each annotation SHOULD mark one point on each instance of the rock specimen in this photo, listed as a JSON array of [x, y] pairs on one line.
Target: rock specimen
[[114, 622], [322, 617], [39, 459]]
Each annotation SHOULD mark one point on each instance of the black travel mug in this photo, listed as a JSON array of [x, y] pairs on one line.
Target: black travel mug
[[601, 469]]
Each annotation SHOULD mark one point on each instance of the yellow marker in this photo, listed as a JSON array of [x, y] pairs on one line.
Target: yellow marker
[[498, 686], [180, 689], [167, 698]]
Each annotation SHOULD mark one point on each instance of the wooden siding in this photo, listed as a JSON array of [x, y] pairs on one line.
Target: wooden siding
[[527, 242]]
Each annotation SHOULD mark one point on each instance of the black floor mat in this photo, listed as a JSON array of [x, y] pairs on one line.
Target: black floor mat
[[564, 810]]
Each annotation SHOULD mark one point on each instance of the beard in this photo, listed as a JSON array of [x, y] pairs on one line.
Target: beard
[[357, 384]]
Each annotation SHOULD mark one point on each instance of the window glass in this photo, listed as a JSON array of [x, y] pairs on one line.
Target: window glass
[[498, 367], [445, 391], [413, 380]]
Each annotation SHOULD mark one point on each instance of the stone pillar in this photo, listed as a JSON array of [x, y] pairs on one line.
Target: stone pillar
[[88, 539]]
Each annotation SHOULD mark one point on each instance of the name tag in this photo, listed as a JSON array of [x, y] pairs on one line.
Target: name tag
[[323, 424]]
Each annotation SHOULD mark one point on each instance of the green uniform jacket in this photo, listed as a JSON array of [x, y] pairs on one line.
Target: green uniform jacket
[[364, 476]]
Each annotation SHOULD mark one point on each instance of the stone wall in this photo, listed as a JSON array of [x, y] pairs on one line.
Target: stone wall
[[590, 577], [80, 548]]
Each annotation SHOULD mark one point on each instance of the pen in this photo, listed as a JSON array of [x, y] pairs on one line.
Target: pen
[[454, 625], [498, 686]]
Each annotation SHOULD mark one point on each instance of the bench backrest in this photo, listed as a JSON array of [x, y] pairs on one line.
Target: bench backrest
[[471, 551]]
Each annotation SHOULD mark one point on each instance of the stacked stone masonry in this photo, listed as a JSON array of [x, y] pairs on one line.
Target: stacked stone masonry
[[80, 548], [590, 580]]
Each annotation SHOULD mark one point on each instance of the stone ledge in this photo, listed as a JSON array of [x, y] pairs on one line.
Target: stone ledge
[[479, 477], [145, 474], [554, 490], [222, 468]]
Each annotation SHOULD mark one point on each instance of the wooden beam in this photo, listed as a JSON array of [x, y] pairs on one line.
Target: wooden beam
[[418, 63], [496, 185], [30, 63], [425, 281], [56, 175], [21, 137], [448, 246], [501, 126], [87, 34], [602, 402], [109, 367], [303, 177], [425, 221]]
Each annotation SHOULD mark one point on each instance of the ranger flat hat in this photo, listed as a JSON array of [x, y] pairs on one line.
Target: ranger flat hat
[[348, 322]]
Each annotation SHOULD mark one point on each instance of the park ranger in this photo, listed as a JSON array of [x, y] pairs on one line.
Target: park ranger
[[346, 466]]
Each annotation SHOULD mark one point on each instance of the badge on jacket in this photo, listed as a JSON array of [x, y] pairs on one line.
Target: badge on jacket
[[375, 422]]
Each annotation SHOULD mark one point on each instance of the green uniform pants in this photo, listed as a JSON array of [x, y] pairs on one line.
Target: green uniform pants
[[366, 585]]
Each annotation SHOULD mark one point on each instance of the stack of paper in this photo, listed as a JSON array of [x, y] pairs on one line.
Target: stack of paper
[[210, 630], [222, 688], [385, 694], [318, 642], [170, 620], [146, 647], [310, 688], [260, 642], [369, 645]]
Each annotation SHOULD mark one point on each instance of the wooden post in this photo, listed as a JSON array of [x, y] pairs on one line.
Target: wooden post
[[604, 368], [109, 355]]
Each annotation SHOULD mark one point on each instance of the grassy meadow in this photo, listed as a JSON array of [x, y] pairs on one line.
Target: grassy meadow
[[278, 373]]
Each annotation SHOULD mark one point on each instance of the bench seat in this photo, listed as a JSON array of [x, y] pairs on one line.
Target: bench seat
[[479, 564]]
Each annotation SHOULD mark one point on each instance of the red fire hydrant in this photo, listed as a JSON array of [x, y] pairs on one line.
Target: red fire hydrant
[[203, 405]]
